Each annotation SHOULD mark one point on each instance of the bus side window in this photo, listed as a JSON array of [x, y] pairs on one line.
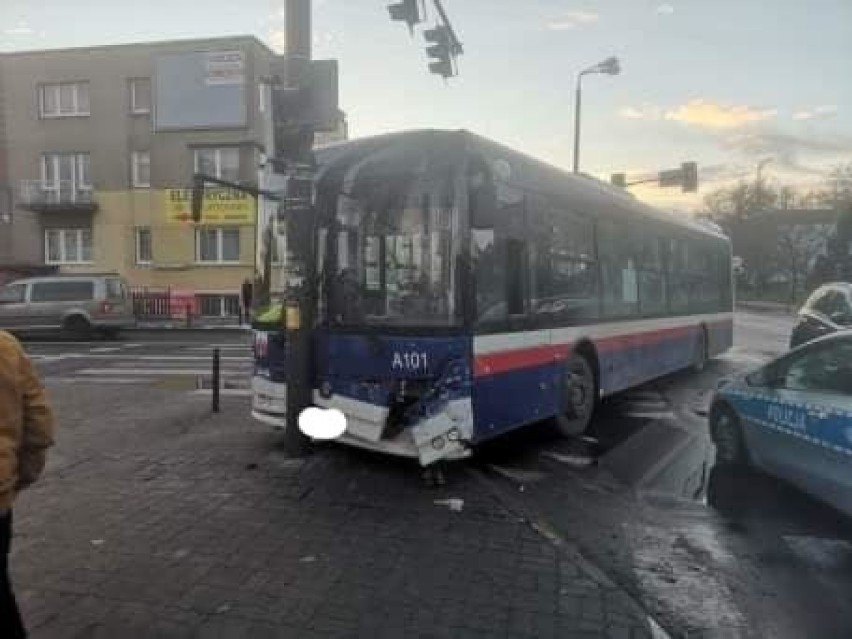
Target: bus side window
[[619, 271], [516, 272], [500, 287]]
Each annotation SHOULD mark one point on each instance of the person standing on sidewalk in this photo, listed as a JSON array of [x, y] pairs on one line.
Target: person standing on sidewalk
[[245, 301], [26, 432]]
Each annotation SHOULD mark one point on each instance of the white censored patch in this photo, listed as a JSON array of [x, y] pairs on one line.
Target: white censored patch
[[320, 423]]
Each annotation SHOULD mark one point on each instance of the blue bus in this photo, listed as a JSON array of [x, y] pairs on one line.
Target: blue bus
[[466, 290]]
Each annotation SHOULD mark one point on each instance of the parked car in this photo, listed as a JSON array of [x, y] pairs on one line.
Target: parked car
[[792, 418], [78, 305], [827, 310]]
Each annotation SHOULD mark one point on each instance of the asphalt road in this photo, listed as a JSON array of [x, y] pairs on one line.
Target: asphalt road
[[180, 361], [707, 552]]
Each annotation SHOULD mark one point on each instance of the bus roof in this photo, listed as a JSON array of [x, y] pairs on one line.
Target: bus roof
[[523, 171]]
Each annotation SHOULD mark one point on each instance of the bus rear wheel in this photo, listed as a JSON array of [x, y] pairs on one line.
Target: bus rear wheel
[[580, 397]]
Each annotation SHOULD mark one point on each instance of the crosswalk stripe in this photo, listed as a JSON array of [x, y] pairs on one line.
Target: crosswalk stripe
[[152, 371], [158, 358], [648, 414], [225, 392], [95, 380]]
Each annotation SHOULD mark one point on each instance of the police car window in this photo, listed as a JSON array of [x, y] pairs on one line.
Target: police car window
[[825, 302], [825, 369]]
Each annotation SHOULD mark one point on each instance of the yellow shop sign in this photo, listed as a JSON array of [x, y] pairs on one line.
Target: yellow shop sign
[[221, 206]]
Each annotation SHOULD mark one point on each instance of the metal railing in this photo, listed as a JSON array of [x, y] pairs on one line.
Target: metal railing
[[36, 192], [166, 305]]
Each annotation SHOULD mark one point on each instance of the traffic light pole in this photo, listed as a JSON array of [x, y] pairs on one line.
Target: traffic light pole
[[301, 299]]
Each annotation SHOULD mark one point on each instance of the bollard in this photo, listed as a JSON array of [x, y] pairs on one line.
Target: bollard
[[215, 381]]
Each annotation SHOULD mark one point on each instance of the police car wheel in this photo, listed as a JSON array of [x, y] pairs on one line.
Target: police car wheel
[[728, 436], [580, 397]]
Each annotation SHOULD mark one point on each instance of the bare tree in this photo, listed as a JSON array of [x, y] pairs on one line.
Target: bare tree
[[742, 212], [797, 247]]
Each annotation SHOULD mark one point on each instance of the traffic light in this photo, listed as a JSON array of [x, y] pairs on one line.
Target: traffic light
[[197, 201], [690, 177], [441, 51], [619, 180], [406, 11]]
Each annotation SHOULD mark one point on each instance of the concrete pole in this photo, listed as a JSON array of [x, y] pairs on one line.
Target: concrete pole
[[301, 303]]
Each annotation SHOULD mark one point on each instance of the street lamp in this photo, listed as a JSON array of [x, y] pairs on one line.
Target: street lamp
[[610, 66], [760, 166]]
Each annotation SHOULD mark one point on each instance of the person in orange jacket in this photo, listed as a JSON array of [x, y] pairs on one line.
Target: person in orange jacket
[[26, 432]]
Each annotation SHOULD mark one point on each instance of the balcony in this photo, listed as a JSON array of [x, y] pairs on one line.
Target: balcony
[[56, 197]]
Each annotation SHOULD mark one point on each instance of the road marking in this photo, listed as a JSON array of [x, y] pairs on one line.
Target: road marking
[[224, 347], [95, 380], [106, 349], [47, 359], [157, 358], [650, 414], [195, 372], [231, 392]]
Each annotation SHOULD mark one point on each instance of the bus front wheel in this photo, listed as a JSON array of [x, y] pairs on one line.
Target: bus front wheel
[[580, 396]]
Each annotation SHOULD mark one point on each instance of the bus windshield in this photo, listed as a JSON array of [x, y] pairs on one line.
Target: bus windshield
[[389, 254]]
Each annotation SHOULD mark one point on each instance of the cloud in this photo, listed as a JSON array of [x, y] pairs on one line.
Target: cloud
[[713, 115], [645, 111], [278, 40], [820, 112], [665, 9], [787, 149], [572, 20], [22, 29], [701, 113]]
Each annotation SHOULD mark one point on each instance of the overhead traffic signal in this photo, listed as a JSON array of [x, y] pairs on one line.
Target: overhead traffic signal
[[690, 177], [406, 11], [441, 52]]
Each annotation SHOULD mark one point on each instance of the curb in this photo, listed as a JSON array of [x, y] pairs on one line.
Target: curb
[[772, 308], [514, 505]]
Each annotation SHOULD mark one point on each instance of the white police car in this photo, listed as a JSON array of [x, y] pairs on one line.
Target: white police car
[[792, 418]]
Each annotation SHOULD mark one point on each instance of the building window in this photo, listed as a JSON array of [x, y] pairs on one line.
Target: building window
[[217, 246], [143, 245], [68, 246], [219, 305], [66, 177], [141, 169], [222, 163], [140, 96], [67, 99]]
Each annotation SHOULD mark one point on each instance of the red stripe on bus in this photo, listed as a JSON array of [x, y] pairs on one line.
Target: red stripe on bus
[[504, 361], [494, 363], [622, 342]]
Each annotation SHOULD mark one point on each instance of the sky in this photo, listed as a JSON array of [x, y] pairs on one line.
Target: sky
[[724, 83]]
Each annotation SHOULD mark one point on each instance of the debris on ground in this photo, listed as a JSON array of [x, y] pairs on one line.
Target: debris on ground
[[518, 475], [576, 460], [453, 504]]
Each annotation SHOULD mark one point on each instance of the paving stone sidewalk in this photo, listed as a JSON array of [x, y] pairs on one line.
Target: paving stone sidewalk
[[156, 519]]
